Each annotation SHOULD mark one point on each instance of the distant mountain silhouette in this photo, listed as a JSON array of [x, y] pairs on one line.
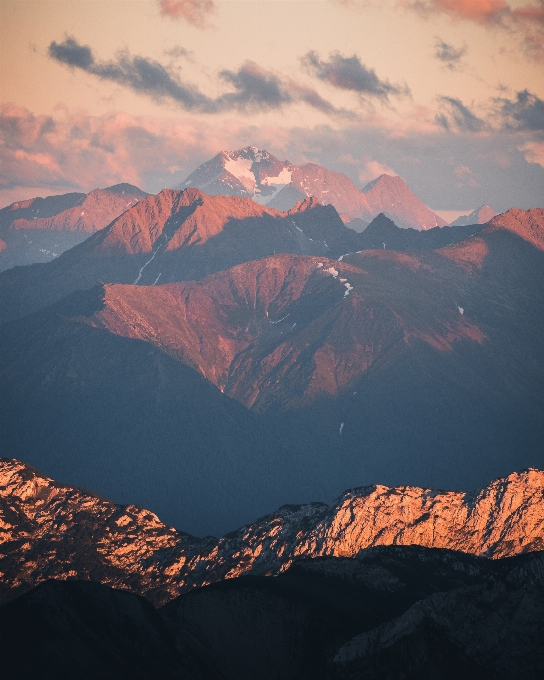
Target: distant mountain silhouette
[[479, 216]]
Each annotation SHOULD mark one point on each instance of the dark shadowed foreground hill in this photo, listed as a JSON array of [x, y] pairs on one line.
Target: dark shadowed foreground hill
[[391, 612]]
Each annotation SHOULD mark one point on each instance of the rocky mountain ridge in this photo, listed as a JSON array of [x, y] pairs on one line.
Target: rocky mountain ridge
[[40, 229], [50, 530], [257, 174]]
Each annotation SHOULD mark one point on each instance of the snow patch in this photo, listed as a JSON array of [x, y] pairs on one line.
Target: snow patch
[[341, 428], [241, 169], [283, 179], [461, 310], [332, 271]]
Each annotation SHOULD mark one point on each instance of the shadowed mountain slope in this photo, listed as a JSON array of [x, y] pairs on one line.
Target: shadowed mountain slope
[[424, 368], [177, 236]]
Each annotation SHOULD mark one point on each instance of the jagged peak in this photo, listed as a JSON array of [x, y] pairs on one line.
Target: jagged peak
[[307, 203], [383, 178]]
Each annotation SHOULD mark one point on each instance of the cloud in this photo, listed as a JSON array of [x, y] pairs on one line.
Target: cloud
[[524, 112], [465, 177], [456, 116], [348, 73], [525, 22], [373, 169], [533, 152], [196, 12], [481, 11], [137, 73], [74, 151], [450, 56], [254, 88]]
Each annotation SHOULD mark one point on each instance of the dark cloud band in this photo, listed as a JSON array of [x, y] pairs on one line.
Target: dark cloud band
[[254, 89], [348, 73]]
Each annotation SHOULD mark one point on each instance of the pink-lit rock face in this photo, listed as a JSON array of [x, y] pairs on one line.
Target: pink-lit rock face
[[391, 195], [247, 330], [528, 224], [49, 530], [194, 217]]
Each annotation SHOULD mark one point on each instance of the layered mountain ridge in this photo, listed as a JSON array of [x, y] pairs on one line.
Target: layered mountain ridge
[[40, 229], [421, 367], [257, 174], [52, 530]]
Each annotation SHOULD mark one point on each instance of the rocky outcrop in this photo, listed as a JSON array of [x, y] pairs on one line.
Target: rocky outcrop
[[50, 530]]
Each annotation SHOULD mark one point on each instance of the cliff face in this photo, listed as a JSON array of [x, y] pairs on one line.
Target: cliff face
[[50, 530]]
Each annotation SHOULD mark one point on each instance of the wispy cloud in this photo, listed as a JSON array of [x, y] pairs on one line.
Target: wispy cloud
[[196, 12], [449, 55], [524, 112], [74, 151], [349, 73], [254, 88], [456, 116], [525, 22]]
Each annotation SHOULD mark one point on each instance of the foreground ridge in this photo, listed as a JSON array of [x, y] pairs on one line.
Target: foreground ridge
[[49, 530]]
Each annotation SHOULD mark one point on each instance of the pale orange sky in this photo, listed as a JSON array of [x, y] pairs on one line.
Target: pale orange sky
[[431, 95]]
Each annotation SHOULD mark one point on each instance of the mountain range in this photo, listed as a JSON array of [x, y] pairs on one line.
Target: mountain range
[[333, 609], [259, 175], [317, 372], [53, 530], [250, 346], [39, 229], [479, 216]]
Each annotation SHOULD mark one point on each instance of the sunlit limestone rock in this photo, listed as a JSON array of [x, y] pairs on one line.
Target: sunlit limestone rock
[[49, 530]]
